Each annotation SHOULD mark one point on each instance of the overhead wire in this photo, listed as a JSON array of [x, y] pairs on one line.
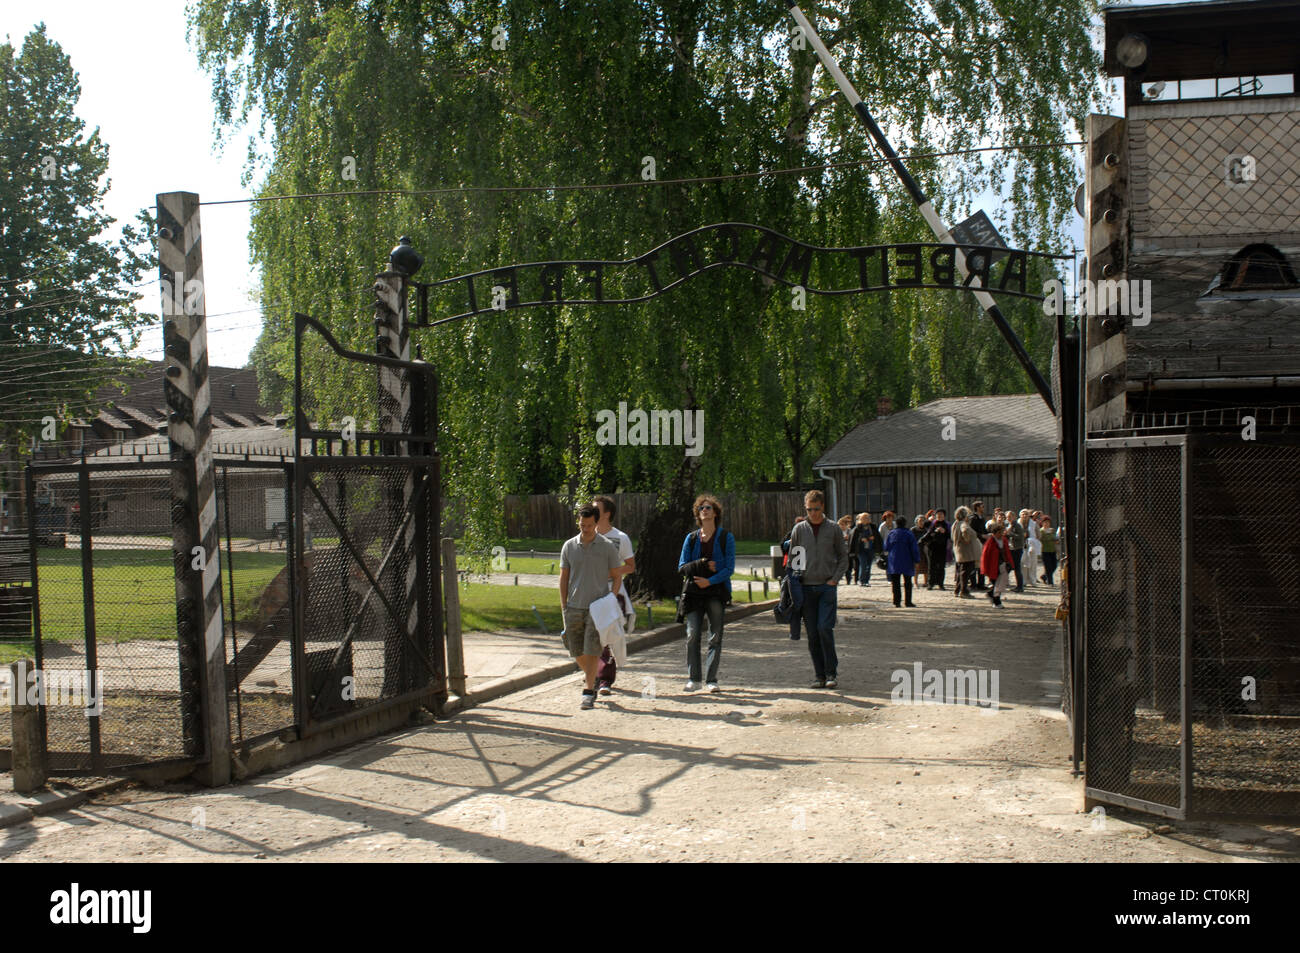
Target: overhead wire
[[644, 183]]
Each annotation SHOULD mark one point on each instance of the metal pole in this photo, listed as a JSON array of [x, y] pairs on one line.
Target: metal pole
[[922, 202], [33, 540], [451, 608], [230, 572], [299, 571], [88, 600]]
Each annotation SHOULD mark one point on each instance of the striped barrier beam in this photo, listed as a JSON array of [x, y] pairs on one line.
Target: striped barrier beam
[[196, 551]]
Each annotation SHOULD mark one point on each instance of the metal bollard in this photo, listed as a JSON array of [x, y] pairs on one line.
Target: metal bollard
[[764, 588], [540, 621]]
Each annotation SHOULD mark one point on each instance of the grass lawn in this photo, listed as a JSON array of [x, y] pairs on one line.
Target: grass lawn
[[135, 597], [551, 567], [135, 594], [487, 608]]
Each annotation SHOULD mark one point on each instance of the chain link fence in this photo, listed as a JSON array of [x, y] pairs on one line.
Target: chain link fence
[[1193, 653], [1245, 626], [104, 633], [253, 518], [366, 572]]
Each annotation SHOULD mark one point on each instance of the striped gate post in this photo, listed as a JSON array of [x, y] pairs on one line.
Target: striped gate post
[[1106, 243], [393, 340], [196, 547]]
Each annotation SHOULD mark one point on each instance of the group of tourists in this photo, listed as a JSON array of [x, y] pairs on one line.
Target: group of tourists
[[980, 548], [986, 553]]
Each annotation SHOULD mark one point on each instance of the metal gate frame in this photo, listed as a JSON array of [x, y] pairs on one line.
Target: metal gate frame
[[1179, 812], [413, 450], [95, 758]]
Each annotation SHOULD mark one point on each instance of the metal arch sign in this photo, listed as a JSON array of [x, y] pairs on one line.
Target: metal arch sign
[[839, 271]]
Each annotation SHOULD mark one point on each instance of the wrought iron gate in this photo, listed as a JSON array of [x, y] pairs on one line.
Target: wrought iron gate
[[365, 562]]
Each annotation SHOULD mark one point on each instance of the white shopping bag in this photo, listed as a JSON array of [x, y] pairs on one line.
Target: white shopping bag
[[608, 616]]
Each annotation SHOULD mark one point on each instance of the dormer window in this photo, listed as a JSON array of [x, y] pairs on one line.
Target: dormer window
[[1255, 268]]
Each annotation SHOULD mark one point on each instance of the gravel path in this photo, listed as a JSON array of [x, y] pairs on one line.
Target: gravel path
[[769, 769]]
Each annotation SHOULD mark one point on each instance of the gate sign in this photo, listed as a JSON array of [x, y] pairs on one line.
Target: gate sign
[[819, 270], [979, 230]]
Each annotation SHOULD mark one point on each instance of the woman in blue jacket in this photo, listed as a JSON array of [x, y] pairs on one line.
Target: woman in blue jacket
[[708, 560], [903, 554]]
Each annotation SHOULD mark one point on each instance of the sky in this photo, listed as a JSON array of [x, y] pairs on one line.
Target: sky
[[129, 54], [141, 84]]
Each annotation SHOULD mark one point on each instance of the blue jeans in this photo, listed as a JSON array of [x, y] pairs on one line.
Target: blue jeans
[[865, 555], [694, 623], [819, 603]]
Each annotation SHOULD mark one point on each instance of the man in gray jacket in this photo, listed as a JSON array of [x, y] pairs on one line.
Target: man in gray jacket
[[818, 554]]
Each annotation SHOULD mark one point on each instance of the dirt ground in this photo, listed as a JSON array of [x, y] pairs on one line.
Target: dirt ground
[[769, 769]]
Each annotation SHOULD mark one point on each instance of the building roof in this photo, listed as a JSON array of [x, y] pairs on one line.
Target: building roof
[[227, 443], [1207, 39], [1003, 429], [139, 407]]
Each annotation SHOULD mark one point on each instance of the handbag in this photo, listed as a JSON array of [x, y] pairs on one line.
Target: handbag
[[606, 668]]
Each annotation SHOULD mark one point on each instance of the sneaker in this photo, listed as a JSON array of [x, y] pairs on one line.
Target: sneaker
[[818, 683], [604, 689], [832, 682], [691, 686], [588, 700], [713, 688]]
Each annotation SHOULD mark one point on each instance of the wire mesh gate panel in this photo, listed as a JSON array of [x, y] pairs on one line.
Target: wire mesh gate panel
[[365, 585], [1134, 719], [1192, 676], [1245, 625], [105, 617], [253, 516]]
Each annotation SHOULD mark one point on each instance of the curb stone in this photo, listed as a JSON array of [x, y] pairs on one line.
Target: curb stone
[[14, 814], [661, 635]]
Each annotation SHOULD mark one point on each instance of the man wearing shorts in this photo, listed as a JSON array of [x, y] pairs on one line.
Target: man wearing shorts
[[588, 565]]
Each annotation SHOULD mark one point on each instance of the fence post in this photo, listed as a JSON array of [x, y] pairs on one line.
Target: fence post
[[451, 608], [30, 763], [392, 339], [205, 723]]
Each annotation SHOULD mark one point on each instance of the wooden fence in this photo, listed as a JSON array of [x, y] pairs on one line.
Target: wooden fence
[[764, 515]]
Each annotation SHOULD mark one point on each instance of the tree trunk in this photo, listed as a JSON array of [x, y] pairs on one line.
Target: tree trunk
[[660, 544]]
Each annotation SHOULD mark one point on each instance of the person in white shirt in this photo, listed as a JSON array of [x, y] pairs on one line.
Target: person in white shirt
[[606, 528]]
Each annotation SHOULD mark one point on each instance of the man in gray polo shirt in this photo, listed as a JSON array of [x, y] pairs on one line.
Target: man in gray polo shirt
[[589, 563]]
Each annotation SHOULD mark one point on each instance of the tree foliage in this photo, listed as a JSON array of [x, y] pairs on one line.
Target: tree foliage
[[66, 302], [425, 94]]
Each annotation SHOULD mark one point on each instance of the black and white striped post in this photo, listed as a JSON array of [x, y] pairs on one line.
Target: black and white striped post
[[196, 551], [923, 203], [392, 339]]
